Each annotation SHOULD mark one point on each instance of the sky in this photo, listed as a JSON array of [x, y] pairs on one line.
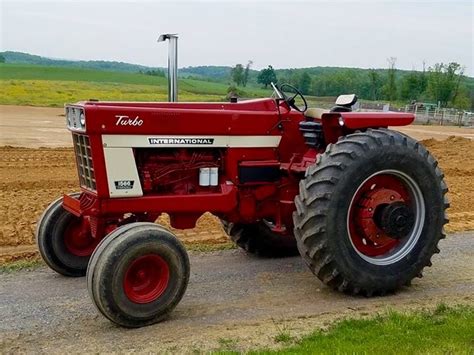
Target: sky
[[285, 34]]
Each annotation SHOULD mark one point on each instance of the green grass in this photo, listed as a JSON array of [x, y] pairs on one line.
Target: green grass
[[446, 330], [27, 264], [53, 86], [209, 247], [56, 93]]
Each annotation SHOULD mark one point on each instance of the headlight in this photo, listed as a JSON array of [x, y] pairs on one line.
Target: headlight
[[68, 117], [341, 121], [75, 118]]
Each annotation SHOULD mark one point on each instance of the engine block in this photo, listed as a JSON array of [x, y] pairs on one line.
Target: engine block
[[175, 171]]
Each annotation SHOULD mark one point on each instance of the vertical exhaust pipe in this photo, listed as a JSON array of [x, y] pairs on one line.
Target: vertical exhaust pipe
[[172, 65]]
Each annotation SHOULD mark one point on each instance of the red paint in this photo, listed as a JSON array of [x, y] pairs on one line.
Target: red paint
[[378, 191], [169, 177], [353, 121], [78, 239], [146, 278]]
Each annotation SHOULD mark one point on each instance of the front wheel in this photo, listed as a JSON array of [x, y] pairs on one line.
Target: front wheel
[[370, 213], [64, 240], [138, 274], [259, 239]]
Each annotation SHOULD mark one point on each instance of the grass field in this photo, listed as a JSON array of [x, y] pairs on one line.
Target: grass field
[[446, 330], [53, 86], [35, 85]]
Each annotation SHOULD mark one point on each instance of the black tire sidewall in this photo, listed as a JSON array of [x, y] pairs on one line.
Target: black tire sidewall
[[258, 239], [113, 263], [50, 241], [277, 244], [58, 245], [392, 157]]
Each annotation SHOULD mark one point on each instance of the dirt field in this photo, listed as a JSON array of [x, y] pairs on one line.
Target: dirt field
[[32, 177]]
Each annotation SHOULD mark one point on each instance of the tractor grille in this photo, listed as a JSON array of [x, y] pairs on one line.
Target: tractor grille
[[82, 148]]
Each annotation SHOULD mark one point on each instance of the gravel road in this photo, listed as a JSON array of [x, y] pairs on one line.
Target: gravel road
[[232, 300]]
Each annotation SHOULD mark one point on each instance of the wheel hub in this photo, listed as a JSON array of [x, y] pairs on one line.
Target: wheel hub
[[395, 219], [381, 216], [78, 238], [146, 278]]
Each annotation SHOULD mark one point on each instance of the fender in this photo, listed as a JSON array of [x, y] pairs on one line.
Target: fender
[[336, 124]]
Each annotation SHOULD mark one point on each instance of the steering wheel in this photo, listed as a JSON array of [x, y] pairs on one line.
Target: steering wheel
[[290, 99]]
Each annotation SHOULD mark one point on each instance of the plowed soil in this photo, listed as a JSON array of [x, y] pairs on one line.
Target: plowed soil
[[30, 178]]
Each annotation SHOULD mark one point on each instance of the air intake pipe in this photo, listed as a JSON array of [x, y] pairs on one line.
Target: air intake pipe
[[172, 65]]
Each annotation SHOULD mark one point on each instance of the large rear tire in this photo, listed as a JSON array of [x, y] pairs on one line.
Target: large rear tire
[[370, 212], [64, 242], [258, 239], [138, 274]]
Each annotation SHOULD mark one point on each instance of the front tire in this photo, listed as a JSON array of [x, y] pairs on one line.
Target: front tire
[[370, 212], [64, 240], [138, 274], [258, 239]]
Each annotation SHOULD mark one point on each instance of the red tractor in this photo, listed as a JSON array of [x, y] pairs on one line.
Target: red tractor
[[364, 205]]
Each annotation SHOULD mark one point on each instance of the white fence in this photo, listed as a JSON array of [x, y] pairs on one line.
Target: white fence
[[441, 116]]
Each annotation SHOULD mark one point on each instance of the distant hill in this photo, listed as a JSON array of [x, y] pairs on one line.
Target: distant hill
[[320, 81], [25, 58], [207, 72], [210, 72]]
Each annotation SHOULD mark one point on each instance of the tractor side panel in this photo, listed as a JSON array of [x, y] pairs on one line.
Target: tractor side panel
[[122, 174], [158, 159]]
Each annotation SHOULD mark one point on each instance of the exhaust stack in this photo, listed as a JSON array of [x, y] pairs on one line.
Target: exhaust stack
[[172, 64]]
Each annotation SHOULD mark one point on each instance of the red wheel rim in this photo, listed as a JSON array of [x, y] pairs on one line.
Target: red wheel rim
[[146, 278], [78, 238], [379, 190]]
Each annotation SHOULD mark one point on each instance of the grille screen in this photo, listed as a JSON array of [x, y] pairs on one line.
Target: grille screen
[[82, 148]]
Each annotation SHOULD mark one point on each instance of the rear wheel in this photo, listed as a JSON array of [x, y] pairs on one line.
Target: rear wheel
[[259, 239], [64, 240], [371, 212], [138, 274]]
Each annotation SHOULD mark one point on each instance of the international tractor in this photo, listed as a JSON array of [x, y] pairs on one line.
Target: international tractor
[[363, 204]]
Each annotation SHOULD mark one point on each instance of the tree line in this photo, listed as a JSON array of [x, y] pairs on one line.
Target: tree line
[[443, 84]]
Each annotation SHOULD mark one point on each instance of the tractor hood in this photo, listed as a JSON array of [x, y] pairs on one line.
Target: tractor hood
[[249, 117]]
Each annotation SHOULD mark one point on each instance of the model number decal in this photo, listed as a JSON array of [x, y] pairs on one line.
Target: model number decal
[[127, 121], [124, 184], [203, 141]]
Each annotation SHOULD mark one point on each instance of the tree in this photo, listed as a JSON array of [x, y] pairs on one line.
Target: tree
[[304, 83], [444, 82], [463, 100], [154, 72], [375, 84], [237, 74], [412, 86], [2, 59], [391, 86], [267, 76], [246, 73]]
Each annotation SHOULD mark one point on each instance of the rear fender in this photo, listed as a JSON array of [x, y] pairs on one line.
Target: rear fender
[[336, 124]]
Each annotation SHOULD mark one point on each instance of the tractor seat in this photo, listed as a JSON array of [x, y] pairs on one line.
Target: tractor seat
[[315, 112]]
